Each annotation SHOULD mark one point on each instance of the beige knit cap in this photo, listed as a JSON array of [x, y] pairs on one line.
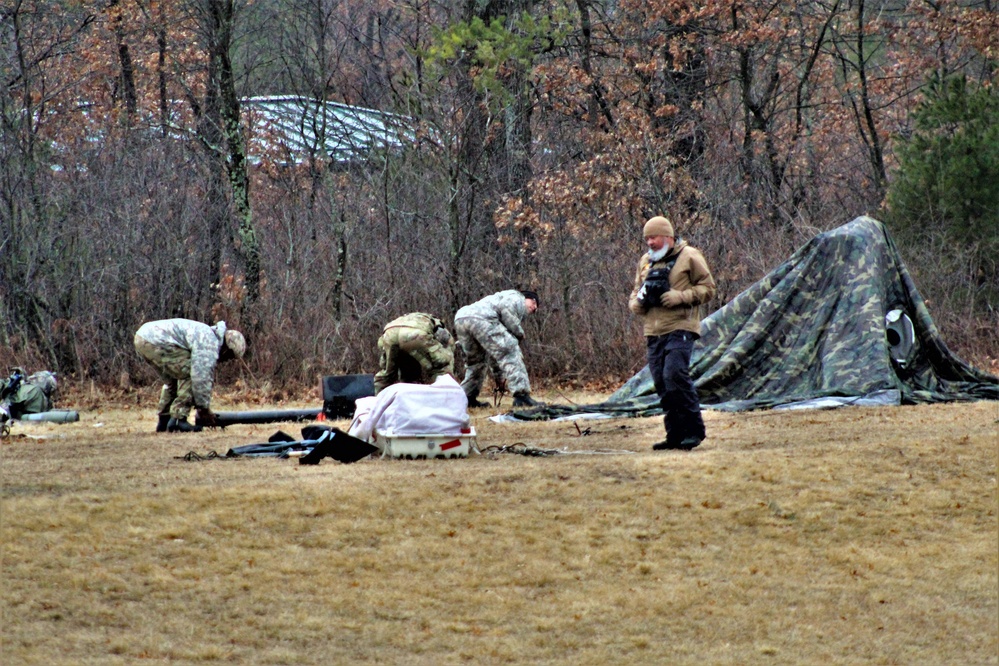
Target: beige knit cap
[[658, 226]]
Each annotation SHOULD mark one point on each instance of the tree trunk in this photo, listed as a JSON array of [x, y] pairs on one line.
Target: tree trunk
[[235, 160]]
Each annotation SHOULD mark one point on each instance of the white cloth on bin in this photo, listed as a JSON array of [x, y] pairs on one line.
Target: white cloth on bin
[[440, 408]]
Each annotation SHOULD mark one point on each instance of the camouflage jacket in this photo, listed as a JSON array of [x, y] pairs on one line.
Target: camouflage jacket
[[690, 276], [426, 327], [421, 321], [504, 307], [202, 341]]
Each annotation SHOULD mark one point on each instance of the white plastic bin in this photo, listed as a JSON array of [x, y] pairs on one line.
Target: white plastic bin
[[425, 446]]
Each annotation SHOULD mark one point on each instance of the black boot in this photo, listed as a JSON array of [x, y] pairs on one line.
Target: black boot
[[161, 425], [692, 442], [473, 401], [176, 425], [685, 444], [524, 399]]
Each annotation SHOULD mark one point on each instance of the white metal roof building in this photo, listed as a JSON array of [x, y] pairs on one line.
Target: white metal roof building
[[292, 128]]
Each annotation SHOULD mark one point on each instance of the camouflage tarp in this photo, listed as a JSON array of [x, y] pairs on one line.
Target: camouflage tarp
[[814, 330]]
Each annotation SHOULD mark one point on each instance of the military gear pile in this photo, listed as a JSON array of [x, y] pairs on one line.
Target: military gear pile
[[21, 395]]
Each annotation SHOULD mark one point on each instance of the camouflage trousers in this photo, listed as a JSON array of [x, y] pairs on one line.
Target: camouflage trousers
[[411, 355], [174, 366], [490, 345]]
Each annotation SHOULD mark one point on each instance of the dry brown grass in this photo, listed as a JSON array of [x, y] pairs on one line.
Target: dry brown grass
[[831, 537]]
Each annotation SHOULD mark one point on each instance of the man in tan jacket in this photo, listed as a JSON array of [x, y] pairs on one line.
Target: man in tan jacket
[[672, 282]]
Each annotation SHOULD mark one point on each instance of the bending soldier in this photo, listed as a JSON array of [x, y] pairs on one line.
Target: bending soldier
[[490, 332], [415, 349], [185, 353]]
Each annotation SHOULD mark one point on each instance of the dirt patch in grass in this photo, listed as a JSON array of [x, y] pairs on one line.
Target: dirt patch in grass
[[857, 535]]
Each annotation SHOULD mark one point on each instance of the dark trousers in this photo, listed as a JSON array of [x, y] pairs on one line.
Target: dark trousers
[[669, 362]]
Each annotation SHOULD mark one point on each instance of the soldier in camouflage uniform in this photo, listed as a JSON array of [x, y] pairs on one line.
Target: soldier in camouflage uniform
[[416, 349], [490, 332], [185, 352], [671, 283]]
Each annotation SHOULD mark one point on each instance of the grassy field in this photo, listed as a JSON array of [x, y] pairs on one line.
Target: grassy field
[[850, 536]]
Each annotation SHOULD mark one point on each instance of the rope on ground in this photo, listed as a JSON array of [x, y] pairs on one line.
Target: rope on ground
[[520, 449], [524, 450], [193, 456]]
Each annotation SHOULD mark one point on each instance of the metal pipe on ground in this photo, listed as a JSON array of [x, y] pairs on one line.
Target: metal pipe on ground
[[263, 416], [53, 416]]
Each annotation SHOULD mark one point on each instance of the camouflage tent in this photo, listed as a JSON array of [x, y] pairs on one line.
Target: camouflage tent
[[839, 322]]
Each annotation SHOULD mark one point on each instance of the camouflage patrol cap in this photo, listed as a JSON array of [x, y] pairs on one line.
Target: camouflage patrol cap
[[235, 341], [658, 226]]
